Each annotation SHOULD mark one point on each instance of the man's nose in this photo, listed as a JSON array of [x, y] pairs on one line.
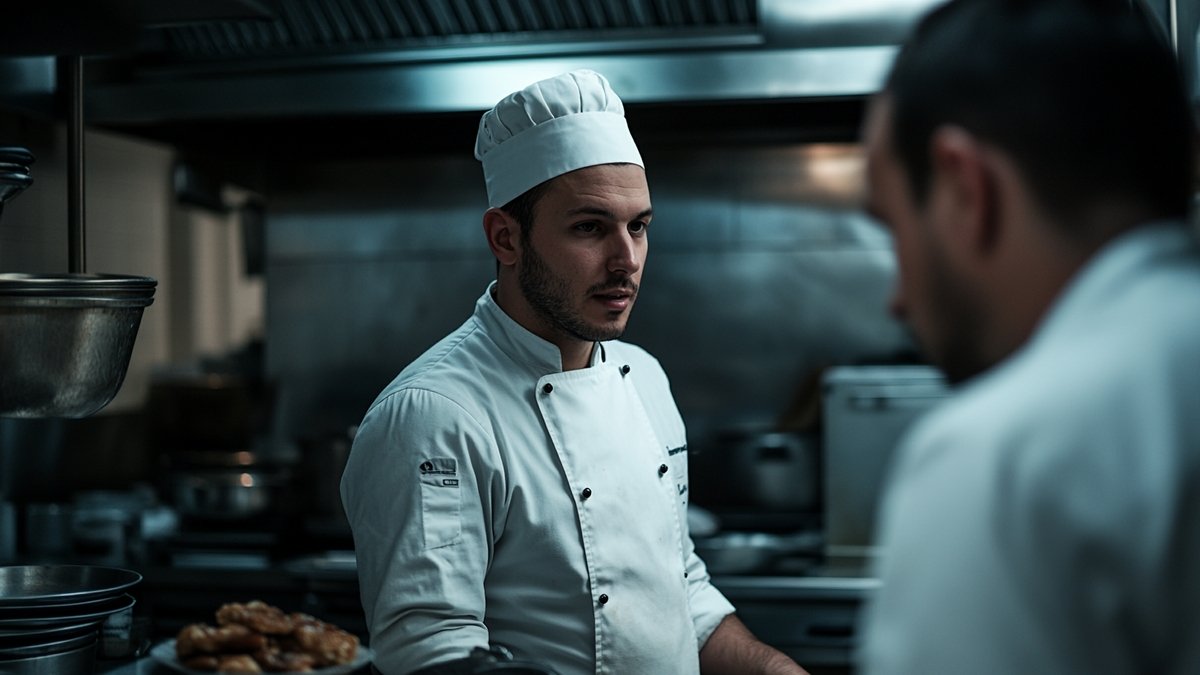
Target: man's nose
[[625, 254]]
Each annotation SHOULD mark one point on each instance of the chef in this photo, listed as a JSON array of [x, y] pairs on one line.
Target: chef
[[524, 482]]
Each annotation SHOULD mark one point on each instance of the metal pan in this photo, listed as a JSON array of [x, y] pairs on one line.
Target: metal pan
[[22, 637], [79, 660], [53, 647], [61, 584], [51, 615], [85, 607]]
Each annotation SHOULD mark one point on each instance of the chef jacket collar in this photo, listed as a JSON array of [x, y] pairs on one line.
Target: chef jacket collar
[[1110, 268], [541, 356]]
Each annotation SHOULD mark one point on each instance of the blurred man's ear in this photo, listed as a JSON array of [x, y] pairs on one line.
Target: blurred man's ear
[[965, 190], [503, 236]]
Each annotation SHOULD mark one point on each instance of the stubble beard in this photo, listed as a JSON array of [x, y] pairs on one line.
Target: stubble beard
[[958, 316], [550, 297]]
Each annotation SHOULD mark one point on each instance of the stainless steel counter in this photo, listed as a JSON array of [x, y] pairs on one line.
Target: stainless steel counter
[[813, 619]]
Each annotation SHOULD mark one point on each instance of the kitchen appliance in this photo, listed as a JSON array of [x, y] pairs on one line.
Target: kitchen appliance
[[866, 410]]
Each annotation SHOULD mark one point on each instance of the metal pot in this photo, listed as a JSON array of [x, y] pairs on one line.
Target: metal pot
[[66, 340], [774, 470], [226, 493]]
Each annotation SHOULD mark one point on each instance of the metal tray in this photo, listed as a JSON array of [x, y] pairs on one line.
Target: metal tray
[[51, 615], [22, 585], [44, 648], [32, 635]]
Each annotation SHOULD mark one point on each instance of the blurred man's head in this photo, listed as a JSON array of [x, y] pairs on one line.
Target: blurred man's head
[[1020, 132]]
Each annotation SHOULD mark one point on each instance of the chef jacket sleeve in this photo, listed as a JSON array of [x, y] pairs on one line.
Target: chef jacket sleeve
[[416, 491], [708, 605]]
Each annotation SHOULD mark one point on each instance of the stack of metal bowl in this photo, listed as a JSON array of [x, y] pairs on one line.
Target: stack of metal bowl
[[14, 171], [51, 615]]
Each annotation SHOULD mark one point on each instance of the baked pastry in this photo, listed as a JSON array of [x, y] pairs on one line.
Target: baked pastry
[[257, 637]]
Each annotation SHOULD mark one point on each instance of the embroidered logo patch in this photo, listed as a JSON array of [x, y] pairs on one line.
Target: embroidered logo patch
[[445, 466]]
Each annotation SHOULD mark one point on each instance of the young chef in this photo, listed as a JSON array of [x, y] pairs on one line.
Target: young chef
[[1034, 161], [524, 482]]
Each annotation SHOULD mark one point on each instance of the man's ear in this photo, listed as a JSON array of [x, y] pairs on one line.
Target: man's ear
[[967, 189], [503, 236]]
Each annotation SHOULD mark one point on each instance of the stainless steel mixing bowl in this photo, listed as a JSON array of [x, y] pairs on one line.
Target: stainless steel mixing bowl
[[66, 340]]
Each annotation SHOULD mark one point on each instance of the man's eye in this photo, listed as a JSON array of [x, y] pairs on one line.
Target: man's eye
[[639, 227], [586, 227]]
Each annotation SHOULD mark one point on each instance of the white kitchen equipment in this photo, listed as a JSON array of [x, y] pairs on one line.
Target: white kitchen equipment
[[866, 411]]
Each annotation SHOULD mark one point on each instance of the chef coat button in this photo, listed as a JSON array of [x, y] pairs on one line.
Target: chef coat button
[[604, 598], [685, 575], [587, 492], [547, 388], [662, 469], [624, 370]]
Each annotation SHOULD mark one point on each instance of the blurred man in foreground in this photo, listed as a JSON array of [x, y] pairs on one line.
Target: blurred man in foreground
[[1034, 162]]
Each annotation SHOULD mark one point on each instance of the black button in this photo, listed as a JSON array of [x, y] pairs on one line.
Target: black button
[[662, 469], [548, 388], [604, 598], [585, 493], [685, 575], [624, 370]]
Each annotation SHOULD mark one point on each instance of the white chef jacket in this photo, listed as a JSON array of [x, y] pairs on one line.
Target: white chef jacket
[[495, 498], [1047, 518]]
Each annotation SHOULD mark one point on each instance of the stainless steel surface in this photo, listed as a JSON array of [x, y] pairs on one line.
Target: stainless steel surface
[[866, 412], [754, 552], [107, 26], [11, 636], [370, 57], [66, 340], [457, 86], [67, 614], [760, 272], [76, 229], [79, 660], [60, 584], [55, 646], [813, 619]]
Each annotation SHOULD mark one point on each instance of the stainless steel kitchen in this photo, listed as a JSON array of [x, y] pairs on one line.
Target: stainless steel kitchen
[[278, 202]]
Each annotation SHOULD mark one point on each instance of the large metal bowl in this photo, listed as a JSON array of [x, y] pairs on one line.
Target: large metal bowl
[[62, 586], [66, 339]]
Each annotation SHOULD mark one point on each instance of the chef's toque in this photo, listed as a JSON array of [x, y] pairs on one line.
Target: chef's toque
[[550, 128]]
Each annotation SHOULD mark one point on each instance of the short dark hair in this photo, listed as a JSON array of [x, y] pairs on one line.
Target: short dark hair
[[522, 207], [1084, 95]]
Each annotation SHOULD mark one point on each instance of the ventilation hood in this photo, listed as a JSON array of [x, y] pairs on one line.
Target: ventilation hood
[[384, 57]]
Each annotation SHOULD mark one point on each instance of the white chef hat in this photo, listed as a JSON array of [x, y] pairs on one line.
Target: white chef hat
[[550, 128]]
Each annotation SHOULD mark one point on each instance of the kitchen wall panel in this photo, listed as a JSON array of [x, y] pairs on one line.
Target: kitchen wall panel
[[761, 271]]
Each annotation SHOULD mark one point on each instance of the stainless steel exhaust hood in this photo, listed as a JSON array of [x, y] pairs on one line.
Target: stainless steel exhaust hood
[[383, 57]]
